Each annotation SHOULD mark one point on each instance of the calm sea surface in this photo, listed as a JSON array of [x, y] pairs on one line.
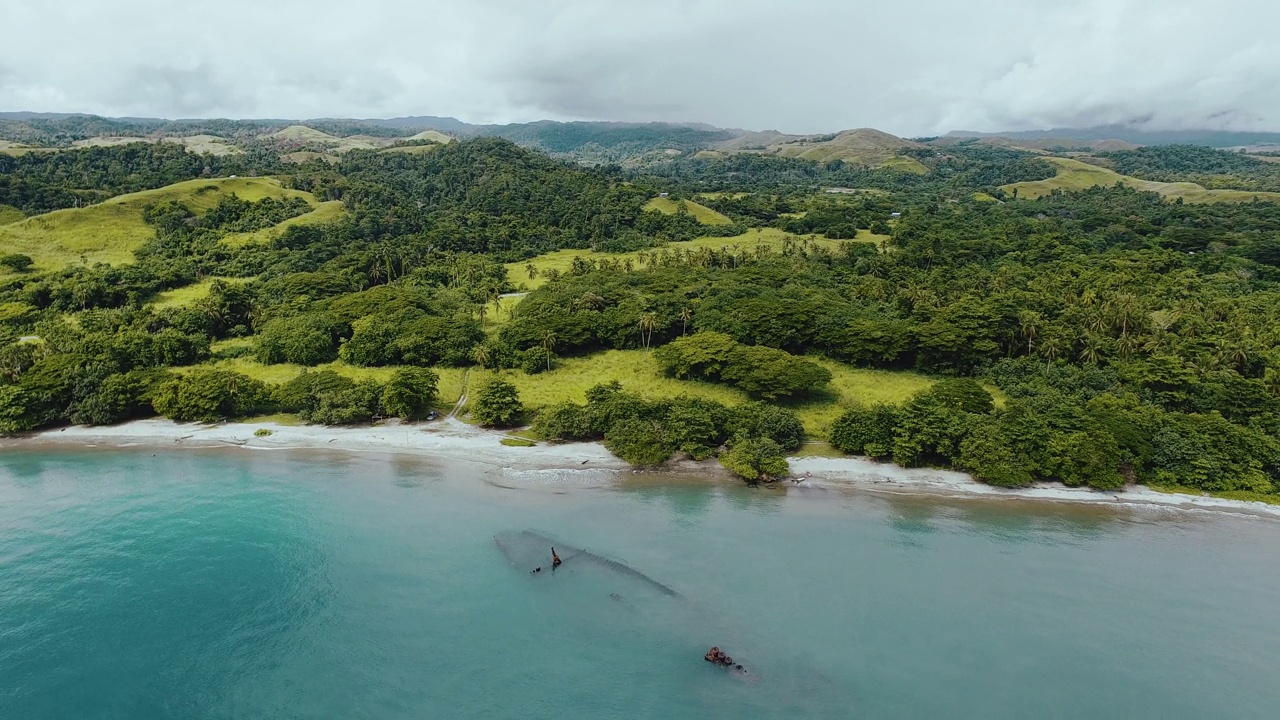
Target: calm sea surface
[[234, 584]]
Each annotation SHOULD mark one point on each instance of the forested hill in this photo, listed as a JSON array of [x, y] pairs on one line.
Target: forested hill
[[41, 182], [1198, 164], [488, 195], [590, 142], [727, 305]]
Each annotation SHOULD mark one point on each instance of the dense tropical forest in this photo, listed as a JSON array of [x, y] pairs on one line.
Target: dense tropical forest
[[735, 306]]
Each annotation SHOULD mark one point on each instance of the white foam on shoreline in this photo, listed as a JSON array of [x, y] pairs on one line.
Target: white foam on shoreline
[[583, 464]]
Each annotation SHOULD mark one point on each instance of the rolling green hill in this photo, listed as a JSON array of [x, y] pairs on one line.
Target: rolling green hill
[[309, 138], [323, 212], [432, 135], [701, 213], [112, 230], [770, 238], [1076, 175], [863, 146]]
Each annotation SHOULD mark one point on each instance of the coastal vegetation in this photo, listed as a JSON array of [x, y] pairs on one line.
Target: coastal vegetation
[[1089, 333]]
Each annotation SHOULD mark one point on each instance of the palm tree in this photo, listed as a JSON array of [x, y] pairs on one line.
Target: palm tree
[[548, 344], [1051, 348], [685, 316], [482, 310], [1092, 351], [647, 321], [1127, 345], [495, 299], [481, 355], [1125, 309], [1029, 321]]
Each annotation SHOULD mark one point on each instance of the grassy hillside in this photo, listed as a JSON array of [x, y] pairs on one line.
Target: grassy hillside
[[10, 214], [701, 213], [773, 238], [905, 164], [301, 135], [18, 149], [861, 147], [1076, 175], [110, 231], [411, 149], [302, 156], [323, 212], [432, 135], [639, 373], [183, 296], [450, 386]]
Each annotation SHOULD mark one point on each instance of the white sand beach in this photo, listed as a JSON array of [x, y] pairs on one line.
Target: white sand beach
[[451, 439]]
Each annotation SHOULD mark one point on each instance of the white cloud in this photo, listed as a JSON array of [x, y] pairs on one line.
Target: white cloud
[[907, 66]]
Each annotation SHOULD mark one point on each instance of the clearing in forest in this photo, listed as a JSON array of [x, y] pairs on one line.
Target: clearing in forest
[[701, 213], [1076, 175], [772, 238], [638, 372], [112, 230], [184, 296]]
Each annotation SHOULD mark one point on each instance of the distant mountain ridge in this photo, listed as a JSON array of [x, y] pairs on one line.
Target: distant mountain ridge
[[591, 142], [1134, 135]]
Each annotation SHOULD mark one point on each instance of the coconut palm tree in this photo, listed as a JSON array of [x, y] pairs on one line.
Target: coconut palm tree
[[1029, 322], [548, 344], [532, 270], [481, 355], [1051, 348], [1092, 351], [647, 322], [686, 315]]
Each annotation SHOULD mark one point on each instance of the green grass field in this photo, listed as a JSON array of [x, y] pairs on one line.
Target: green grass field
[[183, 296], [111, 231], [636, 370], [562, 260], [10, 214], [412, 149], [701, 213], [451, 379], [905, 164], [322, 213], [1075, 175], [639, 373]]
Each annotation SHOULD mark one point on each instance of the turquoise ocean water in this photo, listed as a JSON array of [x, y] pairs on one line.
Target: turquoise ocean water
[[234, 584]]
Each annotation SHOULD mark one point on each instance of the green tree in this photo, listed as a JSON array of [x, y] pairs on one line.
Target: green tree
[[756, 460], [303, 340], [866, 431], [327, 398], [17, 262], [759, 419], [209, 396], [986, 453], [1090, 458], [120, 397], [641, 442], [410, 393], [498, 404]]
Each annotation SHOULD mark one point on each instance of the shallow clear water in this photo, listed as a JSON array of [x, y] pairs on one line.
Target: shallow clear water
[[221, 584]]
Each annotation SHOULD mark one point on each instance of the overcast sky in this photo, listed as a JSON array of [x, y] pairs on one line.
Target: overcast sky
[[910, 67]]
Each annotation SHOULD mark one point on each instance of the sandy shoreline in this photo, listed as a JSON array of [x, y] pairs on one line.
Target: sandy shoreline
[[450, 439]]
